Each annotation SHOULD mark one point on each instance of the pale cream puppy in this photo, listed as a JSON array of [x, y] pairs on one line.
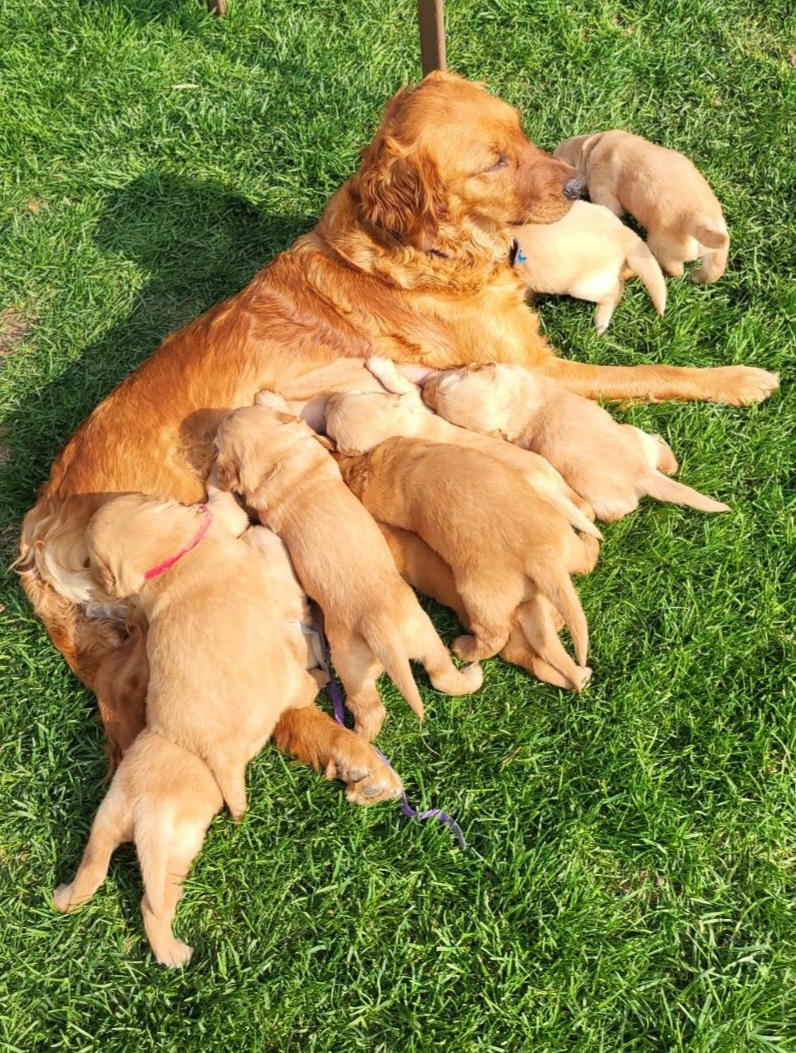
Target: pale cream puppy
[[371, 616], [224, 664], [588, 254], [502, 546], [613, 465], [660, 188], [359, 421]]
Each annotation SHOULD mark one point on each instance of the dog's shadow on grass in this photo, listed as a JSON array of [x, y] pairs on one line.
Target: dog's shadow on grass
[[200, 244]]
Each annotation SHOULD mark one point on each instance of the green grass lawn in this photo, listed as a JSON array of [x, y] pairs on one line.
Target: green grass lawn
[[629, 883]]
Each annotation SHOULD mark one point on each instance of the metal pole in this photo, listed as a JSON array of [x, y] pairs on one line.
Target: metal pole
[[431, 16]]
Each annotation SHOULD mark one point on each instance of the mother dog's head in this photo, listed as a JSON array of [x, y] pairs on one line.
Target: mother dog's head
[[450, 158]]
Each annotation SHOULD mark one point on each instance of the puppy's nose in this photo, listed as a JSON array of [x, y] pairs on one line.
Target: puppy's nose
[[574, 188]]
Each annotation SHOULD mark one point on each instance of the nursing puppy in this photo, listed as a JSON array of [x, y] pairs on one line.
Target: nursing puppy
[[533, 642], [613, 465], [223, 665], [502, 546], [357, 421], [663, 190], [588, 254], [371, 616]]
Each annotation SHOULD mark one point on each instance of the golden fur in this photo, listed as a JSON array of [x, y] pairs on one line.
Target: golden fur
[[588, 254], [660, 188], [533, 642], [503, 546], [371, 617], [225, 658], [612, 465], [358, 421], [409, 261]]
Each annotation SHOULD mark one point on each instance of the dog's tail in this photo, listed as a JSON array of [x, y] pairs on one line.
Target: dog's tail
[[55, 545], [709, 231], [662, 488], [644, 265], [386, 642], [60, 588], [552, 496], [552, 580]]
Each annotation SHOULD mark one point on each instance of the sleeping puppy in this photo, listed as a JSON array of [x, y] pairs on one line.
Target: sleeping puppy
[[663, 190], [588, 254], [533, 642], [613, 465], [502, 546], [224, 663], [371, 616], [357, 421]]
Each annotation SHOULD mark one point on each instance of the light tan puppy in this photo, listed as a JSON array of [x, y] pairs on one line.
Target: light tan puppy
[[660, 188], [371, 617], [502, 546], [223, 666], [359, 421], [588, 254], [613, 465], [533, 642]]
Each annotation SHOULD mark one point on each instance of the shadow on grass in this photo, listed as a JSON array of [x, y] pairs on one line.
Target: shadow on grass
[[200, 244]]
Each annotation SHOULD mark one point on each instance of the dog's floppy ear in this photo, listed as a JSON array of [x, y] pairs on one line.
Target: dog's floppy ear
[[226, 473], [107, 578], [326, 443], [401, 191]]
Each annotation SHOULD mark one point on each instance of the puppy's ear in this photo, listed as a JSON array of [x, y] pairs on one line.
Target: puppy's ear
[[326, 443], [400, 190], [226, 473], [107, 578]]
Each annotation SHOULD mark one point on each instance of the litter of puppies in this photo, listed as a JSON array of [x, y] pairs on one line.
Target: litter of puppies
[[395, 488]]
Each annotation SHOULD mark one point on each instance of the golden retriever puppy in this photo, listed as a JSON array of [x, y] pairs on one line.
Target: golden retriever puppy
[[503, 546], [588, 254], [371, 617], [223, 664], [613, 465], [357, 421], [660, 188], [533, 642]]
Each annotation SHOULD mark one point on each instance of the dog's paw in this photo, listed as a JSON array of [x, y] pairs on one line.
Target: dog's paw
[[61, 898], [368, 778], [174, 955], [743, 385], [381, 784]]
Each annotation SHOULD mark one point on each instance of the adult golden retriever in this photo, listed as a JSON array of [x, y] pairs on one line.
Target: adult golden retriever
[[411, 260]]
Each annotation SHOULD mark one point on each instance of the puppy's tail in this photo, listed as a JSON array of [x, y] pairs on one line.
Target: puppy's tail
[[664, 489], [567, 508], [553, 582], [386, 642], [710, 232], [644, 265]]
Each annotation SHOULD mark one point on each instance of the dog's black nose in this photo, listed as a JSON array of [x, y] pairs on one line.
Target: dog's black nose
[[574, 188]]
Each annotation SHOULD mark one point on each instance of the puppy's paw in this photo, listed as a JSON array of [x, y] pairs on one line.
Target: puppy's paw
[[368, 718], [584, 676], [381, 784], [62, 898], [473, 676], [174, 955], [469, 648], [742, 385]]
